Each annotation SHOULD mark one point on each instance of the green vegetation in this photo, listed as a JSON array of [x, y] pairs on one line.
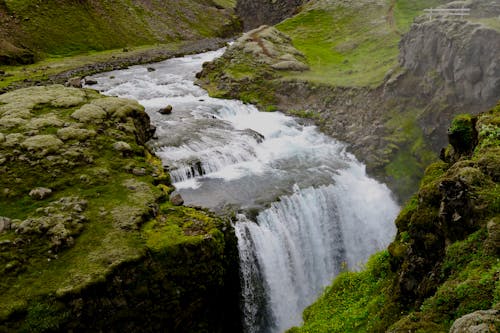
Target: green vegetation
[[98, 211], [351, 44], [408, 151], [443, 263], [354, 302], [68, 27]]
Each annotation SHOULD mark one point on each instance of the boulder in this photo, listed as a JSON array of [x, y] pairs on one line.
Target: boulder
[[482, 321], [90, 113], [74, 82], [177, 200], [40, 193], [47, 143], [166, 110], [122, 147], [4, 223], [90, 82]]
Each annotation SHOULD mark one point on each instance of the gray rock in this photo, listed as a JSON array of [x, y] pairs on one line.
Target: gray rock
[[151, 69], [40, 193], [90, 82], [177, 200], [166, 110], [483, 321], [139, 171], [122, 147], [4, 223], [74, 82]]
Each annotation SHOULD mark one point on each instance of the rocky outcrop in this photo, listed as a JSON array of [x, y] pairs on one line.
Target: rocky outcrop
[[457, 198], [450, 65], [483, 321], [257, 13], [88, 238]]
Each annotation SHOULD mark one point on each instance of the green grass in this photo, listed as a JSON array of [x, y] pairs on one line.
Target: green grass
[[52, 65], [355, 302], [351, 44], [68, 27]]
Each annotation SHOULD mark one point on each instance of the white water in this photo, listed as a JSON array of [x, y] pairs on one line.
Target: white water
[[314, 209]]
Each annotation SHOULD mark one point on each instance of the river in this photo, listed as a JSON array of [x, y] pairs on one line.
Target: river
[[305, 207]]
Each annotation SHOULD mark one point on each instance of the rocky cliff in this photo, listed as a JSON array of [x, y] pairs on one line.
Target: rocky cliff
[[451, 65], [443, 265], [89, 240], [257, 13]]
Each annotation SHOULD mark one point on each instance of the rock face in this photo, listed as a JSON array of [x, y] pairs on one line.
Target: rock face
[[257, 13], [484, 321], [451, 65]]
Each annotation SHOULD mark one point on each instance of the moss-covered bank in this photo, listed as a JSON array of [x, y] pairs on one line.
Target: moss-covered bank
[[88, 238], [444, 262]]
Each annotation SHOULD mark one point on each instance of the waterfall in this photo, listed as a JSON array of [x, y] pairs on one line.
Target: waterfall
[[317, 210], [297, 245]]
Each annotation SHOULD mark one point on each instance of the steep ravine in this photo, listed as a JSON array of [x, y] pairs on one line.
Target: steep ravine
[[442, 271]]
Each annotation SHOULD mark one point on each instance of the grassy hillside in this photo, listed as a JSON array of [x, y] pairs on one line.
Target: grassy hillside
[[444, 262], [61, 28], [351, 43]]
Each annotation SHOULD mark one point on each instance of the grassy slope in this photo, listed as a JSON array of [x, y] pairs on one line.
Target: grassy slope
[[43, 69], [352, 44], [69, 27], [367, 301]]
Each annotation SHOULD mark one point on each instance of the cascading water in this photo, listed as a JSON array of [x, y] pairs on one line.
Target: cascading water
[[306, 207]]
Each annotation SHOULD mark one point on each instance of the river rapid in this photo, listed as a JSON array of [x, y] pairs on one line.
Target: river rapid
[[305, 207]]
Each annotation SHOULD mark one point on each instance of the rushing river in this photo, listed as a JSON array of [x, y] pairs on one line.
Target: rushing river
[[306, 208]]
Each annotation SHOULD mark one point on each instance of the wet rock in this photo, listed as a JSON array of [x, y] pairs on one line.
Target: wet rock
[[166, 110], [90, 82], [40, 193], [177, 200], [483, 321], [151, 69], [74, 82], [4, 223]]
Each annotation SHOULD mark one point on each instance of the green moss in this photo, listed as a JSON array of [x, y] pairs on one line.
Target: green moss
[[118, 204]]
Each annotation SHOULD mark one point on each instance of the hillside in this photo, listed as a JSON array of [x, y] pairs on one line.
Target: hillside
[[32, 30], [443, 264]]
